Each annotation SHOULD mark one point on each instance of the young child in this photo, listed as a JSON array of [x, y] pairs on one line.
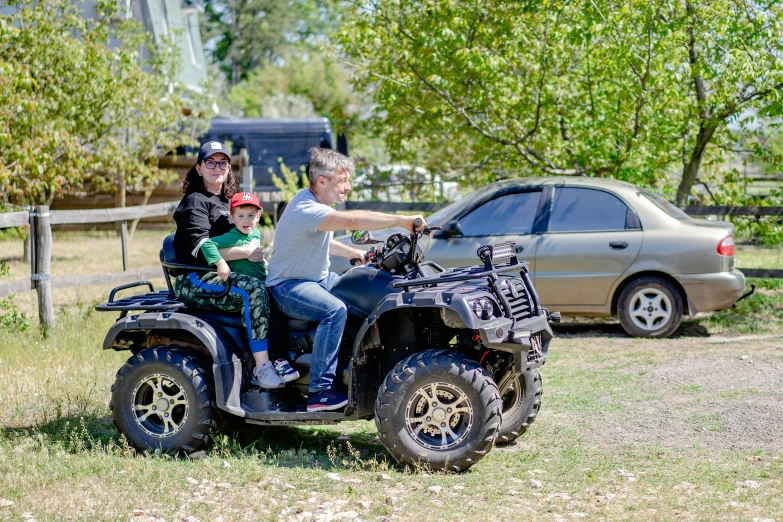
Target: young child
[[245, 211]]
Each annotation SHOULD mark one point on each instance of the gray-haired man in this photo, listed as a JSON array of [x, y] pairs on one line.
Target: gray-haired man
[[299, 278]]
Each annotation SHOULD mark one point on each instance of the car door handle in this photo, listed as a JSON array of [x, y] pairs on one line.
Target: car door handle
[[618, 245]]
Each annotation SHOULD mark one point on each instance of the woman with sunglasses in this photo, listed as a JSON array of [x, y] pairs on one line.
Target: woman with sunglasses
[[203, 214]]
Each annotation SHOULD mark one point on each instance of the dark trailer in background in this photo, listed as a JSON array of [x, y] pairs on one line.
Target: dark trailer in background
[[268, 140]]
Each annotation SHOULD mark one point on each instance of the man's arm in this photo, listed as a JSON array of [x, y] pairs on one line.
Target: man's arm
[[366, 220], [340, 249]]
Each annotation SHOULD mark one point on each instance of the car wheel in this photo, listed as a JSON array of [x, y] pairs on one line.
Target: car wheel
[[521, 397], [439, 410], [163, 399], [650, 307]]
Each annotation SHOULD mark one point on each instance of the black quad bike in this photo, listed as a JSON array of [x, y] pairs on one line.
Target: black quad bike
[[446, 361]]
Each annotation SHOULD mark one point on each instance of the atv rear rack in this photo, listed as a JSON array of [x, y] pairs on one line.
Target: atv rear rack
[[151, 301]]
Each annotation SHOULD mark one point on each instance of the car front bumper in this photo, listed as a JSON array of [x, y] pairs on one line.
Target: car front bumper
[[715, 291]]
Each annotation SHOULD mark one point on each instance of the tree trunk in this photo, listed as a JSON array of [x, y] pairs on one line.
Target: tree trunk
[[691, 170], [135, 222], [119, 198]]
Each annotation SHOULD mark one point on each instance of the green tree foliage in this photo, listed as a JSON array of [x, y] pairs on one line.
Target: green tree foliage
[[86, 99], [639, 90], [248, 34]]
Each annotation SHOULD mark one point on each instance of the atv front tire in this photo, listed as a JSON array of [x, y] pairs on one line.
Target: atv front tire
[[439, 410], [163, 399], [521, 396]]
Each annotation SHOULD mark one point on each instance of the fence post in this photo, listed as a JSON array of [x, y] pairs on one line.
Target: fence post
[[124, 234], [43, 262]]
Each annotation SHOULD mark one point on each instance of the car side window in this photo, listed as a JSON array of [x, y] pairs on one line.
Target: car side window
[[586, 210], [509, 214]]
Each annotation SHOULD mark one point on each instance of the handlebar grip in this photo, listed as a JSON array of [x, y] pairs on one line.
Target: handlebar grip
[[355, 260], [417, 222]]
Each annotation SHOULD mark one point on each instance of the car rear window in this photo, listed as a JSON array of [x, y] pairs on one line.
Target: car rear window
[[665, 205], [586, 210]]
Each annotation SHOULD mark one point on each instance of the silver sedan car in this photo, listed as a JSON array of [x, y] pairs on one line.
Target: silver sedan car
[[596, 247]]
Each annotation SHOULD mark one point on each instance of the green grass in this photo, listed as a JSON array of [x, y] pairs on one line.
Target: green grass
[[61, 459], [610, 404]]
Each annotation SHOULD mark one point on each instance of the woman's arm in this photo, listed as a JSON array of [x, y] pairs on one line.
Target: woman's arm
[[255, 254]]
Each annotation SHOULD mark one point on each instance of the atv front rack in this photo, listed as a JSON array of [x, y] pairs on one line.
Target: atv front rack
[[460, 274]]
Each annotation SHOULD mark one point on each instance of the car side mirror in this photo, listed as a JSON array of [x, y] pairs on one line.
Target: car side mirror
[[451, 229], [363, 237]]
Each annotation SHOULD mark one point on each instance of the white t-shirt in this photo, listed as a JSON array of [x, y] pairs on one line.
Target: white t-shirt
[[300, 251]]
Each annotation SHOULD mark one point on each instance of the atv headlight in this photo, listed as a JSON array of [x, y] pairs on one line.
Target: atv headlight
[[482, 307]]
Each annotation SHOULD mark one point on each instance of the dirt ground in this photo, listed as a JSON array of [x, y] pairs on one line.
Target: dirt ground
[[715, 391]]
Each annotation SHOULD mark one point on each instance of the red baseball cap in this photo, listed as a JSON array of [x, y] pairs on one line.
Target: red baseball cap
[[244, 198]]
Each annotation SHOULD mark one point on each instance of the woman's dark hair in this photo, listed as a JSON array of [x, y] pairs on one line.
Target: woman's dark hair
[[192, 182]]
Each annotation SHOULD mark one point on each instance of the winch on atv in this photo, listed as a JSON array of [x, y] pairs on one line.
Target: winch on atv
[[445, 360]]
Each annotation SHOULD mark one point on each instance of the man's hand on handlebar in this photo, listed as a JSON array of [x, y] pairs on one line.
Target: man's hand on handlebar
[[360, 257], [414, 223]]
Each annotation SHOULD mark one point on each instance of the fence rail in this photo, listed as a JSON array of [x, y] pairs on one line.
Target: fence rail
[[41, 220]]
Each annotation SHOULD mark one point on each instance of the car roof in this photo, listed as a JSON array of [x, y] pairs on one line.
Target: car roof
[[564, 180]]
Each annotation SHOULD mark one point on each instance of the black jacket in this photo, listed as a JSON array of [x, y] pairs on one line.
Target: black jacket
[[199, 216]]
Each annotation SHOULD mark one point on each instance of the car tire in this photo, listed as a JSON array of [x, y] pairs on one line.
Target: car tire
[[451, 432], [650, 307], [521, 399], [159, 375]]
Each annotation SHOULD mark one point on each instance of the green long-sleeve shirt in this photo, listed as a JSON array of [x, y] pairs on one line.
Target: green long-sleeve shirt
[[231, 239]]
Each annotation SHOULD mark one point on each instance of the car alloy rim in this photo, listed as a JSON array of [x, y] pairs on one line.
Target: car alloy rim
[[650, 309], [160, 405], [439, 416], [510, 387]]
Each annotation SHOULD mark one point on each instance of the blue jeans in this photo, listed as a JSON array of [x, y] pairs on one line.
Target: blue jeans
[[312, 301]]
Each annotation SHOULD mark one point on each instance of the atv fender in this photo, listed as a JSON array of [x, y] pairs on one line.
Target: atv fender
[[226, 366], [417, 300]]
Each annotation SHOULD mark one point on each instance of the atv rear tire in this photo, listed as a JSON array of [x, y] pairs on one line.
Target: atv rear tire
[[439, 410], [521, 396], [163, 399]]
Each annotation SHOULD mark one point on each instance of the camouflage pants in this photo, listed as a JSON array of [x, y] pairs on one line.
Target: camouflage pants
[[248, 296]]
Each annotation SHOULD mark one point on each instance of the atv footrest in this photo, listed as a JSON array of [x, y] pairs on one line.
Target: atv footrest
[[295, 417]]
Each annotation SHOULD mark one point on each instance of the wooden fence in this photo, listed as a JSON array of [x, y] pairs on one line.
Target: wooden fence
[[41, 219]]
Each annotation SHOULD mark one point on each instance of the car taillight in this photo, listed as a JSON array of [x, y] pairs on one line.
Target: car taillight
[[726, 246]]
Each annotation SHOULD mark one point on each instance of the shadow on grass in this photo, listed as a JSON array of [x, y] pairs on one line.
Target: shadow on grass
[[323, 447], [597, 329]]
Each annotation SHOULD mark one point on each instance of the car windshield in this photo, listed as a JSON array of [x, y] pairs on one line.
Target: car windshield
[[665, 205], [438, 219]]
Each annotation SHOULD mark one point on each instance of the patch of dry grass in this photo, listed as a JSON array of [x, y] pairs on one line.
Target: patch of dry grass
[[688, 428], [628, 429]]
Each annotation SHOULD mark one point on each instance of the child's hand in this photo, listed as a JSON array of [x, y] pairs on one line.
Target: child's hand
[[223, 270]]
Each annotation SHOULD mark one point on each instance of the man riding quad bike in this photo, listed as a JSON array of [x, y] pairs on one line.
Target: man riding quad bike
[[446, 361]]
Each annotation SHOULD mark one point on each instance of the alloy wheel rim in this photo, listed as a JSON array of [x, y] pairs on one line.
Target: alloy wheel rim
[[159, 405], [510, 387], [439, 416], [650, 309]]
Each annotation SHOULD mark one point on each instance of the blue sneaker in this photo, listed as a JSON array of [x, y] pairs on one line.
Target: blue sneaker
[[327, 400], [285, 371]]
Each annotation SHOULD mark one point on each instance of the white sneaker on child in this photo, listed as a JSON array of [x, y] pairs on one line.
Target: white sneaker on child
[[265, 376], [285, 371]]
